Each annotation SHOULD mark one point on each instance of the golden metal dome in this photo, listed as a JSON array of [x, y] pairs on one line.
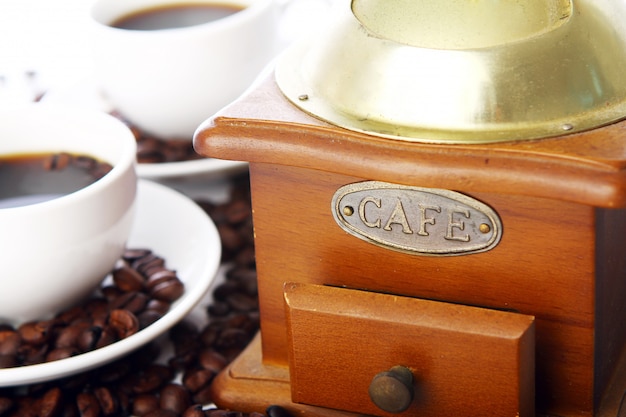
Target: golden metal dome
[[463, 71]]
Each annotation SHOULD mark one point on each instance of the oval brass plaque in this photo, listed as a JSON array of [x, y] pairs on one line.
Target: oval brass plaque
[[416, 220]]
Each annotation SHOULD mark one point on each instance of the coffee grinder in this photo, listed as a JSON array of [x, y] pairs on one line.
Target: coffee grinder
[[439, 204]]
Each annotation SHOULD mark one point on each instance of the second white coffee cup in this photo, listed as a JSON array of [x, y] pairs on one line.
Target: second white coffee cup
[[168, 81]]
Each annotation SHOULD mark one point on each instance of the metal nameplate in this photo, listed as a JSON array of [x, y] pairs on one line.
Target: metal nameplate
[[416, 220]]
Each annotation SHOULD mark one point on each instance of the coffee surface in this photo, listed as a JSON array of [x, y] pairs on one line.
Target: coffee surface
[[34, 178], [175, 16]]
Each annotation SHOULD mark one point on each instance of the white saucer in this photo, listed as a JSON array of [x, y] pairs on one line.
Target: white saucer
[[85, 94], [173, 227]]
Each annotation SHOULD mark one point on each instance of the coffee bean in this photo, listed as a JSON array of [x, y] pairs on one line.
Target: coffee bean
[[35, 332], [144, 403], [88, 338], [9, 342], [151, 378], [157, 277], [51, 404], [123, 322], [196, 379], [133, 301], [108, 402], [61, 353], [194, 411], [68, 336], [88, 405], [238, 211], [170, 290], [132, 254], [174, 397], [211, 360], [243, 302], [148, 317], [128, 279]]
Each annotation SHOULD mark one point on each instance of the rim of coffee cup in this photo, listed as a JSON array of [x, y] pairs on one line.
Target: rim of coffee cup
[[103, 18], [126, 160]]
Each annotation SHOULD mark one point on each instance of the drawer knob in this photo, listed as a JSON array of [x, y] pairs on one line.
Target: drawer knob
[[392, 391]]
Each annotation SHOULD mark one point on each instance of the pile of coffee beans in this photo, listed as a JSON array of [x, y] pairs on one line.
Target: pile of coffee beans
[[153, 150], [143, 383], [143, 289]]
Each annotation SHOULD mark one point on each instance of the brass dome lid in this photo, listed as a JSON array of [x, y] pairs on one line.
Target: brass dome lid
[[463, 71]]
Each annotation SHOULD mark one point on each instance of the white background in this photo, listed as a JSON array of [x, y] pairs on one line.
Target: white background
[[51, 37]]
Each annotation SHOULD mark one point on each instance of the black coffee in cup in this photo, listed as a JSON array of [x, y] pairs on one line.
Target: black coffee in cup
[[175, 16], [34, 178]]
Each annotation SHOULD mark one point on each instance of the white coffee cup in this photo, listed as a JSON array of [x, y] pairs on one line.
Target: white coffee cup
[[168, 81], [56, 252]]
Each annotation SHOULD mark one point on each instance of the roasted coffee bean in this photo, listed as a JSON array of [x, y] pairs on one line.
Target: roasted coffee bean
[[211, 360], [88, 405], [151, 149], [238, 211], [196, 379], [243, 302], [174, 397], [128, 279], [157, 277], [160, 306], [148, 317], [223, 291], [68, 336], [51, 404], [218, 309], [147, 261], [151, 378], [108, 402], [108, 335], [169, 291], [133, 301], [10, 341], [194, 411], [32, 354], [88, 338], [132, 254], [61, 353], [144, 403], [230, 239], [110, 292], [123, 322], [246, 257], [203, 396], [35, 332], [152, 267]]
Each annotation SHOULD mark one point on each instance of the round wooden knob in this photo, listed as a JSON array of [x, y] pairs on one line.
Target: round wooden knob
[[392, 391]]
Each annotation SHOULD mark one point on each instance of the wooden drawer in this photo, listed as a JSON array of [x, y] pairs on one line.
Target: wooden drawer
[[464, 360]]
